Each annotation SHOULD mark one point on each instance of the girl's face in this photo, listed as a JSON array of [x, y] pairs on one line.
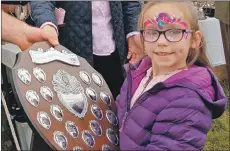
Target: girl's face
[[171, 53]]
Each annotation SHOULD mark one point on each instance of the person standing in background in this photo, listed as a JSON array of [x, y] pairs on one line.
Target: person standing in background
[[96, 31]]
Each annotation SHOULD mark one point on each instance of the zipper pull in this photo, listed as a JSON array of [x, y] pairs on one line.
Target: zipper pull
[[123, 122]]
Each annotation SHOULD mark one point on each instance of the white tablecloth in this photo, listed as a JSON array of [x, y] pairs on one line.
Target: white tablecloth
[[212, 34]]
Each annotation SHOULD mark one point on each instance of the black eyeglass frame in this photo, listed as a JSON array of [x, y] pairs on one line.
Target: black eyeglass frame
[[163, 32]]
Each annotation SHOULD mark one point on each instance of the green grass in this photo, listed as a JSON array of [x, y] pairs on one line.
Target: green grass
[[218, 136]]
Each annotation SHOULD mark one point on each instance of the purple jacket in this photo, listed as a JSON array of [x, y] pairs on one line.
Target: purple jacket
[[173, 115]]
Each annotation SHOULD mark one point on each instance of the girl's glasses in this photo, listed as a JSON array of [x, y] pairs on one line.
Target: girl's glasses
[[172, 35]]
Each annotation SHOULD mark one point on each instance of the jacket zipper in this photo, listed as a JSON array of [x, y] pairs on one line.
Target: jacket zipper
[[139, 99]]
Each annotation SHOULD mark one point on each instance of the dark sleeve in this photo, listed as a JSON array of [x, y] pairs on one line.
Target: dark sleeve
[[182, 125], [42, 12], [131, 11]]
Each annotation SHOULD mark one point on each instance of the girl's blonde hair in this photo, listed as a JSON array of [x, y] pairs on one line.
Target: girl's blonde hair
[[196, 56]]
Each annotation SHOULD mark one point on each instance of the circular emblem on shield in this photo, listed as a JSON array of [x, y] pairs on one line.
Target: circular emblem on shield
[[105, 98], [77, 148], [72, 129], [46, 93], [91, 93], [60, 139], [97, 79], [106, 148], [88, 138], [32, 98], [39, 74], [44, 119], [85, 77], [96, 111], [56, 111], [112, 137], [111, 117], [24, 75], [95, 127]]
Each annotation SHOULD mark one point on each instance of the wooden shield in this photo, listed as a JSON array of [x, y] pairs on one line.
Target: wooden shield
[[65, 99]]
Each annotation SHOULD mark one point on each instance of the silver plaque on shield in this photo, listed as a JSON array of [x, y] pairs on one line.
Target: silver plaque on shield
[[70, 93], [105, 98], [44, 119], [96, 111], [97, 79], [112, 137], [88, 138], [85, 77], [39, 74], [111, 117], [60, 139], [95, 127], [106, 148], [24, 75], [72, 129], [46, 93], [77, 148], [32, 98], [56, 111], [91, 93]]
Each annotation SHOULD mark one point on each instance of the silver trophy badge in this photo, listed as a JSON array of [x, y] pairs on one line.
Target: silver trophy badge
[[44, 119], [91, 93], [32, 98], [77, 148], [24, 75], [72, 129], [112, 137], [97, 79], [70, 93], [85, 77], [60, 139], [106, 148], [88, 138], [56, 111], [95, 127], [39, 74], [46, 93]]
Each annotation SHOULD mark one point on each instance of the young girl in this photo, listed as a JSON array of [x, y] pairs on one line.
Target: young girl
[[169, 99]]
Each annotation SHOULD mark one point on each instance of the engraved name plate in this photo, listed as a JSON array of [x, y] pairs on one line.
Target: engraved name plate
[[85, 77], [24, 76], [39, 74], [49, 56], [96, 111], [111, 117], [106, 148], [91, 93], [32, 98], [72, 129], [56, 111], [46, 93], [97, 79], [60, 139], [105, 98], [112, 137], [95, 127], [88, 138], [77, 148], [44, 119]]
